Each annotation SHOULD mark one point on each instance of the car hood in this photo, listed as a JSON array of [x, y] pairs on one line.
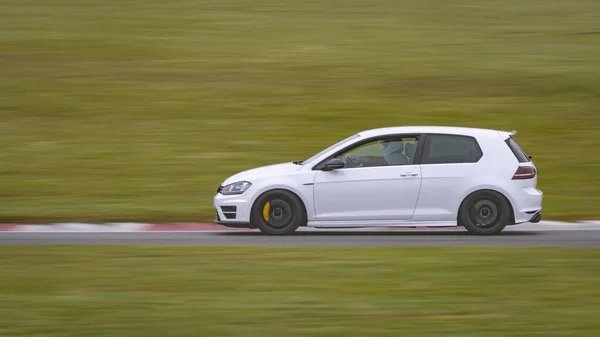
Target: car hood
[[263, 172]]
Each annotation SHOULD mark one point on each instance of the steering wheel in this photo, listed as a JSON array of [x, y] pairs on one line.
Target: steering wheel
[[351, 161]]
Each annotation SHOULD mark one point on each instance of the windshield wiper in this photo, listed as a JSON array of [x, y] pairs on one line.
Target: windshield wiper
[[298, 162]]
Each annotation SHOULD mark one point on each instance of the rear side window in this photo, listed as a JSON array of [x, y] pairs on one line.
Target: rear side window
[[450, 149], [522, 157]]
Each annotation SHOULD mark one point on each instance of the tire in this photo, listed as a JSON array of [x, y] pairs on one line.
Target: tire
[[278, 212], [484, 213]]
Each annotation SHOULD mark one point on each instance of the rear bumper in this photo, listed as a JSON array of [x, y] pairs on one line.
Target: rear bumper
[[527, 205], [536, 218]]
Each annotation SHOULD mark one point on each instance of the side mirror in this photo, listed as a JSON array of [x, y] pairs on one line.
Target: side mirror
[[334, 163]]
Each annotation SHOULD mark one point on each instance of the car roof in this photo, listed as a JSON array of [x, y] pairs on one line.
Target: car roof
[[466, 131]]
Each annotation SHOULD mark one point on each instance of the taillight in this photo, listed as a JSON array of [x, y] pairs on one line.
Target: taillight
[[524, 172]]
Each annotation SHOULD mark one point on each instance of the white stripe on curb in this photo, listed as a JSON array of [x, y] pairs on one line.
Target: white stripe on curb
[[132, 226], [557, 226], [143, 227]]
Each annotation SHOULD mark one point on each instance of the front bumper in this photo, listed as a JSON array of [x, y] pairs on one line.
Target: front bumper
[[233, 224], [232, 210]]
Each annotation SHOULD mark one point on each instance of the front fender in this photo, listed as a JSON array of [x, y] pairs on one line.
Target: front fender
[[303, 190]]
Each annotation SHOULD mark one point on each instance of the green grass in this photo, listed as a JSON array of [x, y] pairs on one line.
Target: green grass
[[234, 291], [116, 110]]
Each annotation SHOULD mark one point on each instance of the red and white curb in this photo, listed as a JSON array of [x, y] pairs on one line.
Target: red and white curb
[[205, 227]]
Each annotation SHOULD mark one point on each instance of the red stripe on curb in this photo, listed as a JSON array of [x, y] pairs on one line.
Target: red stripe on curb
[[7, 227], [187, 226]]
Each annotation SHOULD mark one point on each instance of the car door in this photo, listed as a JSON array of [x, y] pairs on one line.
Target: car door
[[448, 164], [375, 190]]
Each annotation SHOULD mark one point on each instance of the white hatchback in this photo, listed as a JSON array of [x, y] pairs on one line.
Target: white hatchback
[[399, 176]]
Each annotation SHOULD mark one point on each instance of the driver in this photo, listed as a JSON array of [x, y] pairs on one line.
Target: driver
[[392, 152]]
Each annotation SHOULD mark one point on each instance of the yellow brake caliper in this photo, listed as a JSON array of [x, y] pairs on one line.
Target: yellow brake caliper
[[266, 210]]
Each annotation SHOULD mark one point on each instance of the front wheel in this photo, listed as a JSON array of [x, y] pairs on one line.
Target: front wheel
[[278, 212], [484, 213]]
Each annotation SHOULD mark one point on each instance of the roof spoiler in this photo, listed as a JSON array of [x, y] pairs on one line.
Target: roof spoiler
[[513, 132]]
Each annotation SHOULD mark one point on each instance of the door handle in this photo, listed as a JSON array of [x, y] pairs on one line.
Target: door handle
[[409, 174]]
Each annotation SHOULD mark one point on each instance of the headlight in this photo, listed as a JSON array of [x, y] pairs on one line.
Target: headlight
[[236, 188]]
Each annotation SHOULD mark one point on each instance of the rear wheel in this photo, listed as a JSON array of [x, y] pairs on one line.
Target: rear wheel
[[278, 212], [484, 213]]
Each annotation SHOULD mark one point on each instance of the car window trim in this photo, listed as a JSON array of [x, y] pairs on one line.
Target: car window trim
[[319, 166]]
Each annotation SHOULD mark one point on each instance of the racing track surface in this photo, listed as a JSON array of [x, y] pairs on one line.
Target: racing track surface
[[451, 237]]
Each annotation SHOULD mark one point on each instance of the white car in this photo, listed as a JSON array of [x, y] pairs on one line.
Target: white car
[[399, 176]]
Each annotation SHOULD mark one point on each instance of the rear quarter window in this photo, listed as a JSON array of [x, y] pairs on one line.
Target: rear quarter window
[[521, 156], [449, 149]]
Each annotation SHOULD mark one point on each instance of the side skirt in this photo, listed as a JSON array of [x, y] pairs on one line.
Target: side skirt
[[379, 223]]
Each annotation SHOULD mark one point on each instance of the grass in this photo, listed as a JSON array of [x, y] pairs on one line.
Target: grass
[[242, 291], [115, 110]]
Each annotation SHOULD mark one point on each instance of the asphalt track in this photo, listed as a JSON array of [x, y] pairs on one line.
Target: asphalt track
[[565, 238]]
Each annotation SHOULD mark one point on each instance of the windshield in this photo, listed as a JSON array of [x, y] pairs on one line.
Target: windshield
[[340, 143]]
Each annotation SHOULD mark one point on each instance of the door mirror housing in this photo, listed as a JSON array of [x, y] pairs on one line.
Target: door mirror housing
[[333, 164]]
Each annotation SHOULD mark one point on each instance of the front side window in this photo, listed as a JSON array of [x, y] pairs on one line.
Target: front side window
[[381, 152], [340, 143], [449, 149]]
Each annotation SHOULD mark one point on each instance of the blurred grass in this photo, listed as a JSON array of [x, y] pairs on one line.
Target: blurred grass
[[250, 291], [136, 110]]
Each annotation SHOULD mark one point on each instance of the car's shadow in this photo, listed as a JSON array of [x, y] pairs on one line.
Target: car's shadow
[[341, 232]]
